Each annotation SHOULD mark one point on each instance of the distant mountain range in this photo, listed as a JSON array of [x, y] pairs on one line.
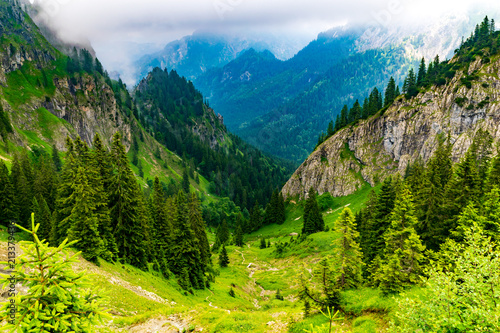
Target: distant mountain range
[[193, 55], [279, 93], [281, 106]]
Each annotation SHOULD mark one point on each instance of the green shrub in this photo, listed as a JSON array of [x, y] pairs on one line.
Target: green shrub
[[461, 101], [58, 298], [461, 293]]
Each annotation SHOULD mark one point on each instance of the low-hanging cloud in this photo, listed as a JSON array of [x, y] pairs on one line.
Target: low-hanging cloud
[[157, 22]]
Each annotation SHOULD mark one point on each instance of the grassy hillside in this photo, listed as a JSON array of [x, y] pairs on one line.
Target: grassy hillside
[[141, 301]]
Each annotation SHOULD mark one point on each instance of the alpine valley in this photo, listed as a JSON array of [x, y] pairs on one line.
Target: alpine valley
[[135, 209]]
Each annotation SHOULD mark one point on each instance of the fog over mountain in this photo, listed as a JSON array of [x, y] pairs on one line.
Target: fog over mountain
[[122, 31]]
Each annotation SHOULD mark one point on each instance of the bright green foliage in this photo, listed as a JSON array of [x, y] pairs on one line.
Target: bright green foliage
[[482, 149], [124, 205], [331, 316], [491, 212], [223, 257], [7, 197], [58, 298], [401, 267], [493, 174], [313, 219], [469, 215], [349, 254], [461, 295]]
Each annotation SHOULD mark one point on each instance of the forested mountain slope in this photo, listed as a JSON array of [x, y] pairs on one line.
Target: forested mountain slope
[[464, 101], [281, 112]]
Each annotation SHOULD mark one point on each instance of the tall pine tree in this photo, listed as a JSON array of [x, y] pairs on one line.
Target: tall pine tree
[[349, 254], [7, 197], [124, 208], [403, 252]]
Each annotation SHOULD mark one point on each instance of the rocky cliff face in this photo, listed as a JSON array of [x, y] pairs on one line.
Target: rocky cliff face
[[382, 145], [85, 104]]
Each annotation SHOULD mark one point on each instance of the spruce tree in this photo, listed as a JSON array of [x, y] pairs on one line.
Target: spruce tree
[[255, 217], [44, 218], [422, 74], [491, 212], [223, 257], [23, 194], [238, 232], [403, 252], [349, 254], [7, 197], [366, 225], [185, 256], [465, 220], [390, 92], [124, 208], [493, 177], [185, 181], [280, 211], [57, 299], [84, 224], [161, 232], [464, 187], [262, 243], [46, 181], [199, 228], [56, 159], [430, 199], [343, 117], [271, 209], [222, 233], [313, 219], [385, 205], [64, 203], [101, 158]]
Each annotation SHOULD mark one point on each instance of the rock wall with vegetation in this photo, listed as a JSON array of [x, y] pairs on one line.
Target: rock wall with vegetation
[[370, 150]]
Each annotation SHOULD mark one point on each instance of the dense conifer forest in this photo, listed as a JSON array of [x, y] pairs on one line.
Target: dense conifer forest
[[217, 246]]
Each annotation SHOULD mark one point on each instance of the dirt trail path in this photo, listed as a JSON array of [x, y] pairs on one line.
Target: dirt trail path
[[242, 256], [172, 324]]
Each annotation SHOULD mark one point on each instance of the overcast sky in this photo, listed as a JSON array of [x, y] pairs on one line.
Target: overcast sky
[[109, 23]]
